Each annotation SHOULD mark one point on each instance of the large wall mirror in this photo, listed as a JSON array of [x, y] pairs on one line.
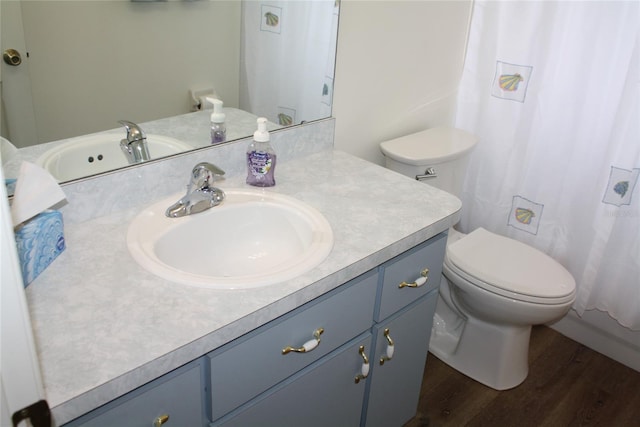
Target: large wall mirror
[[85, 65]]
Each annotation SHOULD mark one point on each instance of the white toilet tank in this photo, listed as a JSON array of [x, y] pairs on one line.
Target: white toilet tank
[[437, 156]]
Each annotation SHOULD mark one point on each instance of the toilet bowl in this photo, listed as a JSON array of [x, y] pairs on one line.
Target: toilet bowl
[[493, 288]]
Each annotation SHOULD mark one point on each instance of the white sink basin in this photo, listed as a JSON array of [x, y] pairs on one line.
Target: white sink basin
[[99, 153], [254, 238]]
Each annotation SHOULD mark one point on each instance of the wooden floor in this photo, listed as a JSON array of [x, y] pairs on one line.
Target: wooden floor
[[568, 385]]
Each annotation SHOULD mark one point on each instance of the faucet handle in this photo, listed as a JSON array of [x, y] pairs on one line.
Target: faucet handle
[[134, 133], [204, 174]]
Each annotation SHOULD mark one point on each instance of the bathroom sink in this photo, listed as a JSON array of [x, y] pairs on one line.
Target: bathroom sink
[[88, 155], [254, 238]]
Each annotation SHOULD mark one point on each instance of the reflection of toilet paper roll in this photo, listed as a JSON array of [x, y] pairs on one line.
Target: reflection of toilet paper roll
[[202, 101], [204, 104], [36, 190]]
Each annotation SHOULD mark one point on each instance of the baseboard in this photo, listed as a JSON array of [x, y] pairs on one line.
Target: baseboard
[[598, 331]]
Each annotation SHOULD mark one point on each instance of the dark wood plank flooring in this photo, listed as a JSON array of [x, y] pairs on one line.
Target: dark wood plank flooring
[[568, 385]]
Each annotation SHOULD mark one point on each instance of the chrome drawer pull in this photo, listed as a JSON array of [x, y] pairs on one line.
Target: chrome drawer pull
[[424, 276], [308, 346], [390, 348], [160, 420], [364, 371]]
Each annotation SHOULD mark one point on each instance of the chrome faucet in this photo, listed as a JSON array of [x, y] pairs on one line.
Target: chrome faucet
[[134, 145], [201, 194]]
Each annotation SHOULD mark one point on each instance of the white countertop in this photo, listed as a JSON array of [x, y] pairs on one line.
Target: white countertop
[[104, 326]]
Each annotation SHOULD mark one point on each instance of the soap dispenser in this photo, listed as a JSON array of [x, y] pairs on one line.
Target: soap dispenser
[[218, 127], [261, 159]]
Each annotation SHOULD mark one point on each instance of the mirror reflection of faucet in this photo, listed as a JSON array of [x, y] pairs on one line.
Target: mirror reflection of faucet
[[134, 145], [201, 194]]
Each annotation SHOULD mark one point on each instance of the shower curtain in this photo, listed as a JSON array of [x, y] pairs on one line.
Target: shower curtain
[[552, 90], [287, 59]]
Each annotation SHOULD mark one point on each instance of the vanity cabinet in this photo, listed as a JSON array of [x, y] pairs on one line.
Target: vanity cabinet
[[354, 356], [396, 300]]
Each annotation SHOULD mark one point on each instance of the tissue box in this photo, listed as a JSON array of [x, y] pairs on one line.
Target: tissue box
[[40, 240]]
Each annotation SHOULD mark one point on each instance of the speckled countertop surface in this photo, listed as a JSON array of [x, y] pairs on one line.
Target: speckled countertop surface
[[104, 326]]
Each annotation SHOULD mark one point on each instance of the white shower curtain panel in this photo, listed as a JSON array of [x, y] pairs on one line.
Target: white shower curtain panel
[[552, 90], [287, 59]]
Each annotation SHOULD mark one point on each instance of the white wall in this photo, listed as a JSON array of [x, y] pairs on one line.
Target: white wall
[[95, 62], [398, 68]]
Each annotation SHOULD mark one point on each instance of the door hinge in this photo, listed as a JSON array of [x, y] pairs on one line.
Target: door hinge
[[38, 414]]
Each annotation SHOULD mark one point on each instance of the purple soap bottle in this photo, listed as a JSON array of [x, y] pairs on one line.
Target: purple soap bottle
[[261, 159]]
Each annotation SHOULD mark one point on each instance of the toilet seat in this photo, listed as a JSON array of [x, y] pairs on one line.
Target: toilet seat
[[509, 268]]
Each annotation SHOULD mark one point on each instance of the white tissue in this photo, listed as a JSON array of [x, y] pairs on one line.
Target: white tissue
[[36, 190], [7, 150]]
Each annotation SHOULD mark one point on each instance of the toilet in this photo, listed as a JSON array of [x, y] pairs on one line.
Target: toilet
[[493, 288]]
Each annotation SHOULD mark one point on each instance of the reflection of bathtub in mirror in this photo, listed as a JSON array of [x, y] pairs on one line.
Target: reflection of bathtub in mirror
[[193, 129]]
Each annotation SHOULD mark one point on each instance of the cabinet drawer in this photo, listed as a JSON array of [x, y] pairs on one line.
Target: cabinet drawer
[[179, 394], [246, 368], [324, 394], [407, 267]]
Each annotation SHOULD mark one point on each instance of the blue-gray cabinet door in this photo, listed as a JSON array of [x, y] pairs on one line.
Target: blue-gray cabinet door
[[324, 394], [395, 384]]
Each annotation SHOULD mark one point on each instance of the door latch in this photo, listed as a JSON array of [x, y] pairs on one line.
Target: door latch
[[38, 413]]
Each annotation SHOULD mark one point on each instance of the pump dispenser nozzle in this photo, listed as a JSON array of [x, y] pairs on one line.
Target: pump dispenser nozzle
[[261, 135], [217, 116]]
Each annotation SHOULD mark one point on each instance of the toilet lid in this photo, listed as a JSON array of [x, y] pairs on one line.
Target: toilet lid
[[435, 145], [511, 268]]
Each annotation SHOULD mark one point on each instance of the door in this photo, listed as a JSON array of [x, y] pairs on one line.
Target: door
[[17, 113], [20, 379], [396, 377]]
